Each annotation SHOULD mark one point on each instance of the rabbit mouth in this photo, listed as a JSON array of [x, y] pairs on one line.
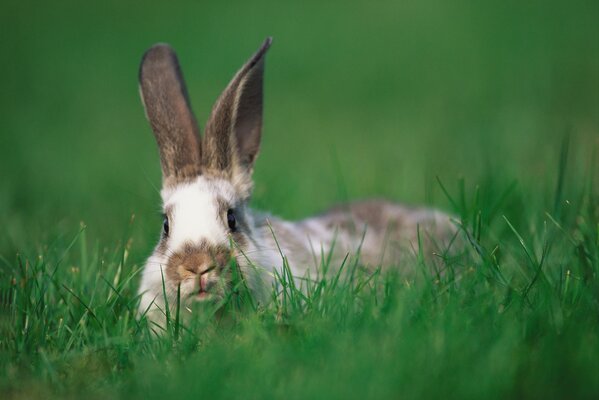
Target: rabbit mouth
[[202, 295]]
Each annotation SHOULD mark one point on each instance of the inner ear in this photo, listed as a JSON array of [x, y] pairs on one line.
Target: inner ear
[[248, 115], [233, 131]]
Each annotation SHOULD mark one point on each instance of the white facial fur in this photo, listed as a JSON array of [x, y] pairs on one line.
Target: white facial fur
[[194, 218], [194, 215]]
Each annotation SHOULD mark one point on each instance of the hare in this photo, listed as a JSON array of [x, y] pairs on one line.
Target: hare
[[206, 188]]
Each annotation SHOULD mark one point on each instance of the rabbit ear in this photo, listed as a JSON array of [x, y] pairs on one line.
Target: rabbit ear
[[164, 96], [233, 131]]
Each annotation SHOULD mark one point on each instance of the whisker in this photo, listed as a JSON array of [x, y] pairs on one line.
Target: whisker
[[167, 253]]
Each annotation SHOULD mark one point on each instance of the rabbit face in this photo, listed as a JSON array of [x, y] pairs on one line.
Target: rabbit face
[[205, 228]]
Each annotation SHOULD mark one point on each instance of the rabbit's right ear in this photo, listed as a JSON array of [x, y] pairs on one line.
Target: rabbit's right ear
[[167, 108]]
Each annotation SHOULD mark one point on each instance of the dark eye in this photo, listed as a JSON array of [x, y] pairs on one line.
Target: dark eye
[[165, 227], [231, 221]]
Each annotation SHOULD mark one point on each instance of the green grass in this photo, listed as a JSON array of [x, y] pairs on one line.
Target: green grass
[[489, 111]]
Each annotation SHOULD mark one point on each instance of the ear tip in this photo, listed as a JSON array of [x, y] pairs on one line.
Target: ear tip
[[259, 55], [265, 45], [158, 51], [158, 54]]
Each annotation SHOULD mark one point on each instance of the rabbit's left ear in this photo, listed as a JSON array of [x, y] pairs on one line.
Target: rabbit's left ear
[[232, 137]]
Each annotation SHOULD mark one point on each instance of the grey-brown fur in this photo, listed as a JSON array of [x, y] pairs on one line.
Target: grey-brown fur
[[380, 232], [234, 128], [167, 108], [232, 137]]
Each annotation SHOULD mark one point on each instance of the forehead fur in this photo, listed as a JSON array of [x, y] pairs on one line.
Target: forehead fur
[[201, 185], [194, 210]]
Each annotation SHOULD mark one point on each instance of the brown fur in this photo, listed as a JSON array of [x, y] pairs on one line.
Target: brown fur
[[352, 216], [195, 260]]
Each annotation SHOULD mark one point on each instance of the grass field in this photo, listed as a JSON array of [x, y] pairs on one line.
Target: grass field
[[489, 111]]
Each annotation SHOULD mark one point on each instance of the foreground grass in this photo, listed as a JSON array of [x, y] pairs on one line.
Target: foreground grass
[[517, 314]]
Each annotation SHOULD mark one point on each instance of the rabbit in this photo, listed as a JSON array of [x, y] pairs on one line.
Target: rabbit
[[206, 188]]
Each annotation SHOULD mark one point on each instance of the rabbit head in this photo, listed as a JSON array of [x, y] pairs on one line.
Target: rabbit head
[[206, 181]]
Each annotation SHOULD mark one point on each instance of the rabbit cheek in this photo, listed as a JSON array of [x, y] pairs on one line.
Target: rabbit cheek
[[241, 237]]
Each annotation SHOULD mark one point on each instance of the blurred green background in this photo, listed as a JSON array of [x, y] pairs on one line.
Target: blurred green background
[[361, 99]]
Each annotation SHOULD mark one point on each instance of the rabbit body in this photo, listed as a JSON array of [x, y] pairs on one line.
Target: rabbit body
[[207, 183]]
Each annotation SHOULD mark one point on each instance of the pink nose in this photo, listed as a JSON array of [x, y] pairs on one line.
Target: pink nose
[[203, 283]]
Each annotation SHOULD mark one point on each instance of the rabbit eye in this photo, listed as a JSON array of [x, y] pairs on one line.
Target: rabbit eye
[[231, 220], [165, 227]]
